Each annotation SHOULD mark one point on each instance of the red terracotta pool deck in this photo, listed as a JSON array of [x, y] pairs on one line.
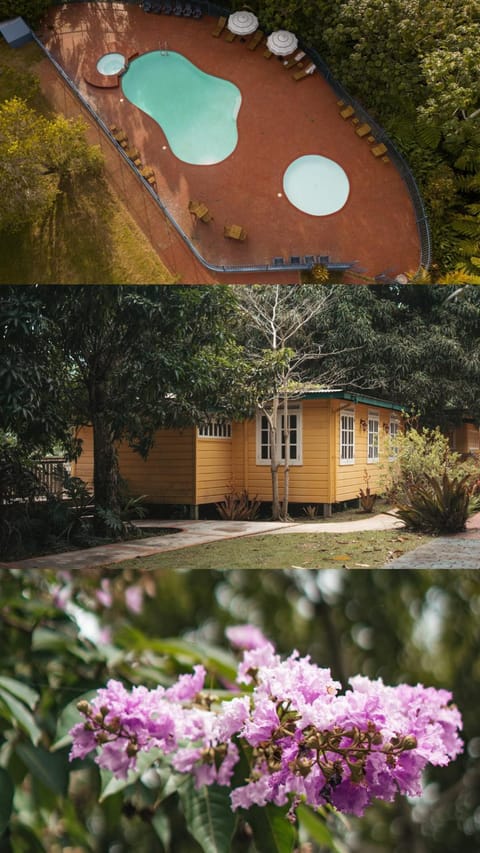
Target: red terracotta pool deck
[[279, 120]]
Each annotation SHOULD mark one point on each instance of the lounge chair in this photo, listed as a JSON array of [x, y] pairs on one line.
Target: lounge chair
[[230, 36], [278, 262], [379, 150], [200, 210], [187, 10], [147, 7], [347, 112], [196, 12], [363, 130], [255, 40], [178, 10], [267, 53], [294, 60], [235, 232], [167, 8], [221, 24], [305, 72], [134, 156]]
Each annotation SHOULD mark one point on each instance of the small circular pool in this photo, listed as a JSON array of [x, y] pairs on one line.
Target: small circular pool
[[316, 185], [111, 63]]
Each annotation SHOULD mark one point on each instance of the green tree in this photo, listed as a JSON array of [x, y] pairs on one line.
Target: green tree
[[127, 361], [40, 159]]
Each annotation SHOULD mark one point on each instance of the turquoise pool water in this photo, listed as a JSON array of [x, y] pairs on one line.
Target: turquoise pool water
[[316, 185], [196, 111], [110, 63]]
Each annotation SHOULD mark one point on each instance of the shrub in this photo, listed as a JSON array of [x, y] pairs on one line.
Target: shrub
[[418, 455], [237, 506], [442, 505]]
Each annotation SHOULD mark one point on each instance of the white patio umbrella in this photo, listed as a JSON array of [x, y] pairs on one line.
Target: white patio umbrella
[[242, 23], [282, 42]]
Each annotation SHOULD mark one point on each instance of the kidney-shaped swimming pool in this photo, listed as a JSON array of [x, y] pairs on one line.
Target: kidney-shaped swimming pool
[[196, 111]]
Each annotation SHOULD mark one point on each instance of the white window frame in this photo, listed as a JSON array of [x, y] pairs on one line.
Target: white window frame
[[264, 432], [393, 431], [372, 431], [345, 457], [215, 429]]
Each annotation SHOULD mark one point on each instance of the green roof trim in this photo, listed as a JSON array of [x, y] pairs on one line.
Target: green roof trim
[[354, 398]]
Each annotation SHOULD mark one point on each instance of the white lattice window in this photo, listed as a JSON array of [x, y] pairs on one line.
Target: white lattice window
[[215, 429], [264, 437], [394, 432], [373, 437], [347, 437]]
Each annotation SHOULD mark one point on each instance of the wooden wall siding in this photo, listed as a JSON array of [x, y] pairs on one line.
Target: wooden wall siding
[[309, 482], [214, 469], [351, 478], [467, 439], [166, 476]]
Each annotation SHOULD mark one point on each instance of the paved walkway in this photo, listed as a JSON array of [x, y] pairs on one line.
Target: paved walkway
[[460, 551]]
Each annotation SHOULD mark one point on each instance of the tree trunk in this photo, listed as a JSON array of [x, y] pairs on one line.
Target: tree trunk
[[105, 461], [275, 459], [286, 468]]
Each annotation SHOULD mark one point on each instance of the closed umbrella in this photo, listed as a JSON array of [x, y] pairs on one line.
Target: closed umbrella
[[282, 42], [242, 23]]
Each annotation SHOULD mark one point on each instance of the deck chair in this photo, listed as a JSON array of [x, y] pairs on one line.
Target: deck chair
[[197, 12], [187, 10], [294, 60], [255, 40], [221, 23], [134, 156], [305, 72], [379, 150], [347, 112], [363, 130], [235, 232], [267, 53], [230, 36]]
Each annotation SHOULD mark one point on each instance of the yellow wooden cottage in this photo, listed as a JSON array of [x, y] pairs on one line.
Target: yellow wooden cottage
[[336, 439]]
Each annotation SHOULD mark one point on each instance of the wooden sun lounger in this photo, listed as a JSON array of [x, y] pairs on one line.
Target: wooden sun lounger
[[230, 36], [379, 150], [255, 40], [134, 156], [235, 232], [347, 112], [200, 210], [306, 72], [295, 60], [221, 23], [267, 53], [363, 130]]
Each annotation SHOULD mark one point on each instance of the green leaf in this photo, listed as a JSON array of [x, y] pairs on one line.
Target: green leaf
[[16, 711], [272, 831], [50, 769], [209, 815], [318, 830], [21, 691], [6, 799]]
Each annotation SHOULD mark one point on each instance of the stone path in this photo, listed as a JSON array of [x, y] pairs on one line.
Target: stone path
[[459, 551]]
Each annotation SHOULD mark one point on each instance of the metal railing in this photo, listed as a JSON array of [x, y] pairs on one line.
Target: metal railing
[[288, 265]]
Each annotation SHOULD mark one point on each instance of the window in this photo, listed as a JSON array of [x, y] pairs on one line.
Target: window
[[394, 431], [347, 437], [264, 437], [215, 429], [373, 433]]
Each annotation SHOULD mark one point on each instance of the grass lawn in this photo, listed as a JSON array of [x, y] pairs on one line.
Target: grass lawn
[[367, 550], [89, 236]]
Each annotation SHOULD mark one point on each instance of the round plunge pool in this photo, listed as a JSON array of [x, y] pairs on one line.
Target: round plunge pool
[[110, 64], [316, 185]]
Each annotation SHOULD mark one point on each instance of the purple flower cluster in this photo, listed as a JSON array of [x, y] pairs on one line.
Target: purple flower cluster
[[303, 740]]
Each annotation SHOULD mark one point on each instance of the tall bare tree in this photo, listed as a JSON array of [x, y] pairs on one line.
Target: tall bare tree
[[280, 341]]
